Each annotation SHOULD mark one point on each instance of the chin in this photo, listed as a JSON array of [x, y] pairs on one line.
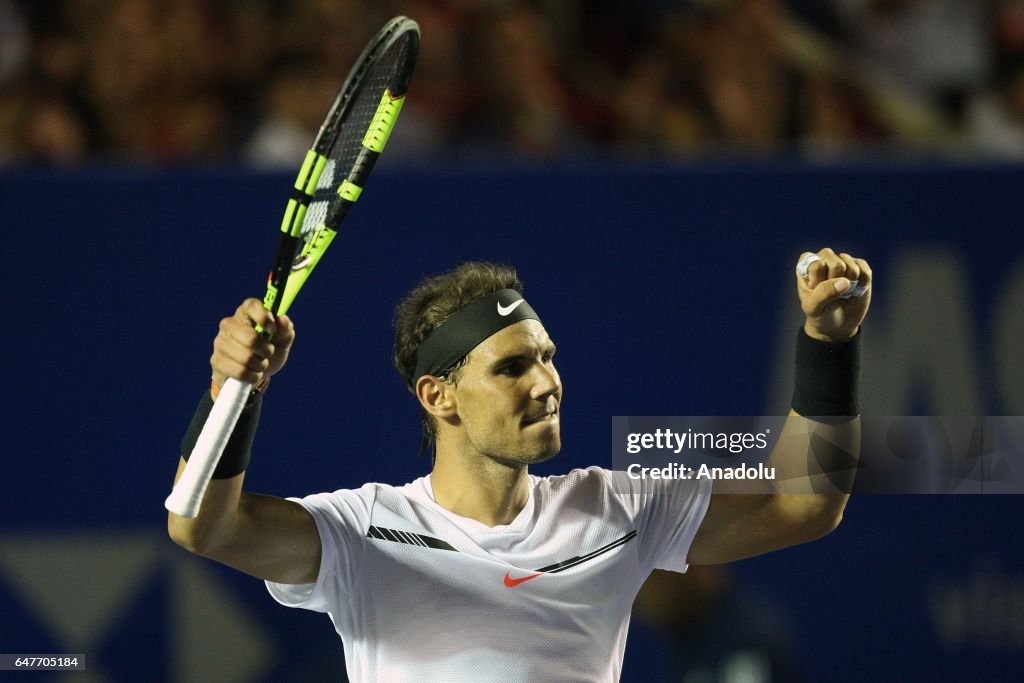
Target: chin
[[547, 452], [532, 457]]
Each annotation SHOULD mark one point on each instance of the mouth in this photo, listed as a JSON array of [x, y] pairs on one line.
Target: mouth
[[543, 418]]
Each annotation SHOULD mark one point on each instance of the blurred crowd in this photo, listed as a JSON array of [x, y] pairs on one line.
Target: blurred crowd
[[222, 81]]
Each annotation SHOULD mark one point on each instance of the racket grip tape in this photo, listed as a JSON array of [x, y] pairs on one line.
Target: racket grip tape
[[188, 492]]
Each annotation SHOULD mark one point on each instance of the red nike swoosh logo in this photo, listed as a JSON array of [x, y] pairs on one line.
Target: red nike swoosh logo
[[512, 583]]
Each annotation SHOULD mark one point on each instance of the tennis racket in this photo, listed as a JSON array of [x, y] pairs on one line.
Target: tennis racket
[[332, 177]]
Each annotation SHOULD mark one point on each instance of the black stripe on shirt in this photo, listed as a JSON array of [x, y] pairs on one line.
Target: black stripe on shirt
[[384, 534], [580, 559]]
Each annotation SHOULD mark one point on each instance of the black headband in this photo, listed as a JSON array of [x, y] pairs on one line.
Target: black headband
[[457, 336]]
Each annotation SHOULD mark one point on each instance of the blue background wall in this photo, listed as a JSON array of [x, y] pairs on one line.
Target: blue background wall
[[668, 291]]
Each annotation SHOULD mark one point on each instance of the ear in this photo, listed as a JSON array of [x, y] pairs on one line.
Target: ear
[[436, 397]]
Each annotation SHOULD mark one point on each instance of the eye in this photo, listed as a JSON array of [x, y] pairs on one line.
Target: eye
[[513, 369]]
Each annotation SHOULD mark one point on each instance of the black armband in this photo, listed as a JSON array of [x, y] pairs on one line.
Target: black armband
[[827, 377], [235, 458]]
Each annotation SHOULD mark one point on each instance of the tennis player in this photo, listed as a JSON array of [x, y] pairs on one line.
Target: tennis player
[[480, 571]]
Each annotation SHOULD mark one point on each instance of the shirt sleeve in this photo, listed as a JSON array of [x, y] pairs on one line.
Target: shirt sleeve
[[667, 514], [342, 519]]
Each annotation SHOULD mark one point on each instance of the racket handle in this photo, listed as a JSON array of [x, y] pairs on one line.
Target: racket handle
[[188, 493]]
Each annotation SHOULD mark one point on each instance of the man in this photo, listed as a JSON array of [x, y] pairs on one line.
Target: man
[[480, 571]]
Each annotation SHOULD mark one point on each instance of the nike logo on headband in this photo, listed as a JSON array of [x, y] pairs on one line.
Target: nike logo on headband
[[505, 310]]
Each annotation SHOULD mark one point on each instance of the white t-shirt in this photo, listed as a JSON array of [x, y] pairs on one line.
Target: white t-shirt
[[418, 593]]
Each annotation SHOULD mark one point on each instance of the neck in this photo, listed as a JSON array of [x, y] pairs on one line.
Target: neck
[[479, 487]]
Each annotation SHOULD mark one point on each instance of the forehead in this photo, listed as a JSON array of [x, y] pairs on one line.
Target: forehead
[[521, 337]]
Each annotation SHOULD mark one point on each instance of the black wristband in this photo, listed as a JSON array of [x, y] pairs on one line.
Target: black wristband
[[827, 377], [235, 458]]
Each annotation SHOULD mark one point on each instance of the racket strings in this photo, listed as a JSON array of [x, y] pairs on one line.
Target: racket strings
[[349, 144]]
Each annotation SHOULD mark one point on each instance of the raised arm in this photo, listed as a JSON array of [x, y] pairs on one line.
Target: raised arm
[[267, 537], [814, 458]]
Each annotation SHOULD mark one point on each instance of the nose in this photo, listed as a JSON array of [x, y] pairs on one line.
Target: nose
[[547, 382]]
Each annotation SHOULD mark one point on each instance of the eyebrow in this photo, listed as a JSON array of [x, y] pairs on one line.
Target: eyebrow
[[549, 347]]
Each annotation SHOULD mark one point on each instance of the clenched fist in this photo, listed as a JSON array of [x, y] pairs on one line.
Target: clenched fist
[[242, 352], [835, 292]]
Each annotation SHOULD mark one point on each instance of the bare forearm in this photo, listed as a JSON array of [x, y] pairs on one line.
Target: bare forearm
[[264, 536], [813, 456], [815, 464], [217, 515]]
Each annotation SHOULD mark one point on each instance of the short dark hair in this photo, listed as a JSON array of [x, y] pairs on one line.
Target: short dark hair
[[433, 301]]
